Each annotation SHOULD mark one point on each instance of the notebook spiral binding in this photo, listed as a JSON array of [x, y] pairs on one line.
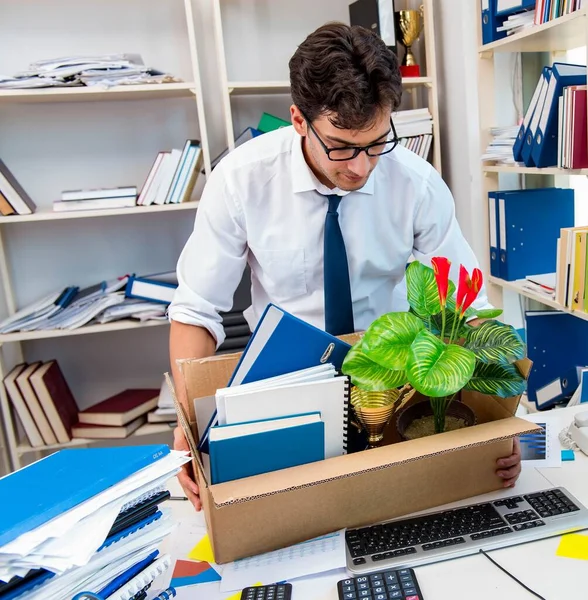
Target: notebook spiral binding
[[143, 497], [346, 412], [147, 576]]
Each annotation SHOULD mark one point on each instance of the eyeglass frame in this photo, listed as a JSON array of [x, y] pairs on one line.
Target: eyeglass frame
[[356, 149]]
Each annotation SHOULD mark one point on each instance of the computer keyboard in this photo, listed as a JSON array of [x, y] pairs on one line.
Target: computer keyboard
[[447, 534]]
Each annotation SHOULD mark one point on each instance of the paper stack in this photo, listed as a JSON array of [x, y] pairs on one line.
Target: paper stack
[[499, 150], [86, 520]]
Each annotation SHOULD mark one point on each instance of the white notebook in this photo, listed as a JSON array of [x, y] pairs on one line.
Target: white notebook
[[330, 397]]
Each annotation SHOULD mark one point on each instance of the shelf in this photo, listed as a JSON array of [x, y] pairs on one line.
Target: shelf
[[92, 94], [48, 215], [26, 336], [147, 429], [516, 286], [249, 88], [564, 33], [532, 170]]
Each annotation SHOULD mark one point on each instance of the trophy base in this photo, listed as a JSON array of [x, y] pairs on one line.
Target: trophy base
[[410, 70]]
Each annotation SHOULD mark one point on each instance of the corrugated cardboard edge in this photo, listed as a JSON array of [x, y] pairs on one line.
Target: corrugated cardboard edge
[[347, 466]]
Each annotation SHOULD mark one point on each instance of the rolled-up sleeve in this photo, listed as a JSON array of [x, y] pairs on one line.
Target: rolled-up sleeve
[[212, 262], [437, 232]]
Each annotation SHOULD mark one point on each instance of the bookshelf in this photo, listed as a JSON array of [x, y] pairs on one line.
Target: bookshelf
[[166, 37], [554, 38], [231, 89]]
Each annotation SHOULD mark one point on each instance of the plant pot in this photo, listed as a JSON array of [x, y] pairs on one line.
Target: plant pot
[[423, 409]]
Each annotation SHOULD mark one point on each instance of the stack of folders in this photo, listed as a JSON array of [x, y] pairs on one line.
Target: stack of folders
[[172, 176], [538, 139], [524, 228], [86, 520]]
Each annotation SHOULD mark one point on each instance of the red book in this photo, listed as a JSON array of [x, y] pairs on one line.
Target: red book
[[56, 399], [121, 409], [579, 159]]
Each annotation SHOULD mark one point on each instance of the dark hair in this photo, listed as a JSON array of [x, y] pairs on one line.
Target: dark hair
[[346, 71]]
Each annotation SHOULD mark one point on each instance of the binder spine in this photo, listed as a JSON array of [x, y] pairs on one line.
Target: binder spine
[[346, 415]]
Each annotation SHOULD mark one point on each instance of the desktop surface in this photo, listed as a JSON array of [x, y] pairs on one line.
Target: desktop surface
[[536, 564]]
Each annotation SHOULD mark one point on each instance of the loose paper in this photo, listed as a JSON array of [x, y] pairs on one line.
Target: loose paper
[[202, 551], [319, 555], [573, 545], [187, 572]]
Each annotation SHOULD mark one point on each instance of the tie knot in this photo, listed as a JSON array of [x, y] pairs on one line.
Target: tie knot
[[334, 201]]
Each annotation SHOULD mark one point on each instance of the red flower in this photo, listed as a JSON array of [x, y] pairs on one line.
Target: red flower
[[441, 268], [468, 289]]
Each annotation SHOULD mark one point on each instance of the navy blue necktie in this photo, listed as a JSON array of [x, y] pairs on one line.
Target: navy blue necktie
[[338, 306]]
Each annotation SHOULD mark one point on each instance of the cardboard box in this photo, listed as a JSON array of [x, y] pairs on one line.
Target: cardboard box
[[274, 510]]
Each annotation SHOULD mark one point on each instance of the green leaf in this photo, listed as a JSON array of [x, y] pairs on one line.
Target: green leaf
[[436, 369], [368, 375], [503, 381], [421, 289], [494, 342], [388, 339], [486, 313]]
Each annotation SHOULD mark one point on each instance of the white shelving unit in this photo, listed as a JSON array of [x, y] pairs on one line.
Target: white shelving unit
[[231, 88], [14, 448], [555, 37]]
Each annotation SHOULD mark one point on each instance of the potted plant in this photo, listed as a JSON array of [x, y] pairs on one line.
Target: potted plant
[[432, 349]]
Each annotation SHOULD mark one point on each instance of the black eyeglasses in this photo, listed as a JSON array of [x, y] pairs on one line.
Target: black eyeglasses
[[350, 152]]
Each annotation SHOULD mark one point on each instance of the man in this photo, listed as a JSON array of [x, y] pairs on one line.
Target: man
[[326, 212]]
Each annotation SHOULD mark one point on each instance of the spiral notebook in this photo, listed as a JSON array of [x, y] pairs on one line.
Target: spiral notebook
[[329, 397]]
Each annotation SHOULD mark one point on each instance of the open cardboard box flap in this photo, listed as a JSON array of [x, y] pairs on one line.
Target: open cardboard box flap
[[370, 460]]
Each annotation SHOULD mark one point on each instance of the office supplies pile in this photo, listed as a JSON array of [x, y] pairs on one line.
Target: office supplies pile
[[86, 520]]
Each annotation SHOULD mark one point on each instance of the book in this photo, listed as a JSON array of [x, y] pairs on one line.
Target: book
[[6, 209], [14, 192], [18, 402], [247, 449], [99, 193], [94, 204], [67, 478], [56, 399], [280, 344], [120, 409], [24, 385], [89, 431]]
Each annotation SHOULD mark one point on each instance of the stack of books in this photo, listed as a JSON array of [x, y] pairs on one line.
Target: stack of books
[[572, 131], [13, 199], [165, 412], [93, 529], [547, 10], [172, 176], [95, 199], [572, 268], [415, 130]]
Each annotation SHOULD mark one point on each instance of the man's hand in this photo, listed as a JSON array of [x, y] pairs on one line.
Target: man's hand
[[188, 484], [509, 468]]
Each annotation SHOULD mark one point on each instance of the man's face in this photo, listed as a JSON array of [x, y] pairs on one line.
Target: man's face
[[348, 175]]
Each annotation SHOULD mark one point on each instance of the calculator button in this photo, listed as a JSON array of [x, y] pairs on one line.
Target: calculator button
[[412, 598], [359, 561], [347, 582], [409, 591], [394, 595], [393, 587], [379, 590], [380, 597], [348, 588], [390, 578], [376, 578], [349, 596], [365, 594], [404, 572], [363, 586]]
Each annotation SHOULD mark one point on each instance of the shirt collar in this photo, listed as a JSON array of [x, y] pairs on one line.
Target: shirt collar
[[304, 180]]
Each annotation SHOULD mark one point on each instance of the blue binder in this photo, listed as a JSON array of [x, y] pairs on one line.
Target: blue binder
[[527, 149], [493, 220], [51, 486], [519, 144], [511, 9], [559, 389], [490, 22], [529, 226], [556, 343], [280, 344], [544, 151]]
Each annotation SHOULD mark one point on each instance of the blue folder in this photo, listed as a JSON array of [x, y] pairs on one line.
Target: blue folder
[[280, 344], [544, 151], [494, 221], [512, 8], [529, 224], [51, 486], [556, 343], [490, 22]]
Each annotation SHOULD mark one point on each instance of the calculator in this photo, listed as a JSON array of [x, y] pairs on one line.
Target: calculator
[[398, 584], [275, 591]]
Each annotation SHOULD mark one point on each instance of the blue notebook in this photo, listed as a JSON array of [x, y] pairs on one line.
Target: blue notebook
[[247, 449], [51, 486], [280, 344]]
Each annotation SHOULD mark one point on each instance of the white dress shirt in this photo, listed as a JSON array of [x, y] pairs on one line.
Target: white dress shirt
[[263, 205]]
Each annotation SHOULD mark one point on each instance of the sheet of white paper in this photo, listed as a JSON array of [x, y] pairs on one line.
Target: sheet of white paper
[[541, 449], [319, 555]]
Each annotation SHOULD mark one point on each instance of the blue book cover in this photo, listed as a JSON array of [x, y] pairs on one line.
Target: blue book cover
[[248, 449], [280, 344], [51, 486]]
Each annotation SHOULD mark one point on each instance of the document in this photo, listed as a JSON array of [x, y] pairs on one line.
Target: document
[[318, 555], [541, 449]]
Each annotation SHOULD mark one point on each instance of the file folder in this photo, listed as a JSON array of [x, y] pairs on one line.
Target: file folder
[[494, 233], [559, 389], [544, 150], [527, 149], [519, 144], [510, 7], [529, 227], [490, 22]]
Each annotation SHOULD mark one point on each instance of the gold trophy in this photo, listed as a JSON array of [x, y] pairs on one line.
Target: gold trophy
[[409, 24], [375, 409]]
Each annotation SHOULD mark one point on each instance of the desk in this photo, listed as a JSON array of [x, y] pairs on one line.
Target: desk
[[468, 578]]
